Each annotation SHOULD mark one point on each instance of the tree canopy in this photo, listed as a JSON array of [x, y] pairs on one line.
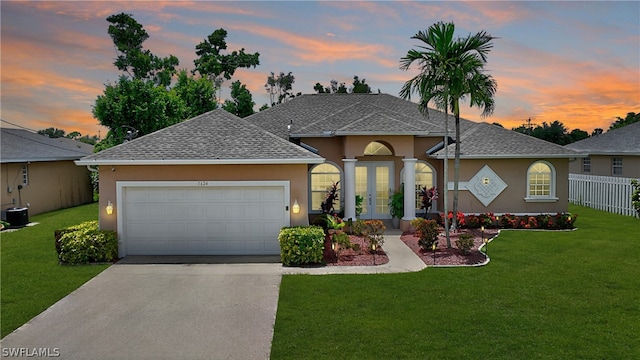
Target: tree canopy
[[280, 87], [358, 86], [151, 94], [557, 132]]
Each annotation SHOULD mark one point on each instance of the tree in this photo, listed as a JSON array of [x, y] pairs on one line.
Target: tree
[[629, 119], [242, 101], [358, 86], [450, 70], [198, 94], [216, 66], [555, 132], [597, 131], [128, 35], [279, 87], [577, 135], [52, 132], [138, 104]]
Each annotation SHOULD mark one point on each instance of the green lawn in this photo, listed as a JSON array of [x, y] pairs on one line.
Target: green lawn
[[32, 279], [544, 295]]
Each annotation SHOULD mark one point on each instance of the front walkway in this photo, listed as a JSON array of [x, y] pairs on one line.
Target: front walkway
[[401, 259]]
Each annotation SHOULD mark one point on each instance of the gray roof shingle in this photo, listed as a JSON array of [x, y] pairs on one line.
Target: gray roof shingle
[[367, 114], [315, 115], [483, 140], [18, 145], [214, 137], [620, 141]]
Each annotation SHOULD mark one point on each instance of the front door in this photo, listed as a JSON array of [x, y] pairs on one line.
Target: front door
[[374, 182]]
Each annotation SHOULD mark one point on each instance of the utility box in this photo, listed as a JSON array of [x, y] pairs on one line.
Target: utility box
[[18, 217]]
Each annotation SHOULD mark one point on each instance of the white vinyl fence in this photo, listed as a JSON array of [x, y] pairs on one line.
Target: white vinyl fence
[[607, 193]]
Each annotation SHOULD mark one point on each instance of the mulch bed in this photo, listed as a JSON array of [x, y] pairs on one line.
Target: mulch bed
[[350, 257], [443, 255], [451, 256]]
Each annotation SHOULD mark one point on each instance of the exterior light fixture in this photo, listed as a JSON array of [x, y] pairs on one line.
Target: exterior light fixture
[[109, 208], [295, 207], [434, 245]]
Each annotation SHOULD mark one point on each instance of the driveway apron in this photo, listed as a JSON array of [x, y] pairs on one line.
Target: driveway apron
[[161, 311]]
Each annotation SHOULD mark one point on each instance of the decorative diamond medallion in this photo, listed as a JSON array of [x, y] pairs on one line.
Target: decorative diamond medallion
[[486, 185]]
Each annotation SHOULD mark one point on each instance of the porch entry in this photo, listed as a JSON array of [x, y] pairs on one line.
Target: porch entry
[[374, 182]]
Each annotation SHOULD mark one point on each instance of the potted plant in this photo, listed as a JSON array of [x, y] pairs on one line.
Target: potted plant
[[396, 208]]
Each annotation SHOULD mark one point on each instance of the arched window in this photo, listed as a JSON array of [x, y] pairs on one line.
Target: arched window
[[377, 149], [541, 182], [322, 176], [425, 177]]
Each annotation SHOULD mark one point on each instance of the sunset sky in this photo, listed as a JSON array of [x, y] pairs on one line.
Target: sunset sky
[[576, 62]]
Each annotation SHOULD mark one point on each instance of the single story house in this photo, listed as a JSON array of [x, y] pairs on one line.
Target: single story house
[[614, 153], [38, 172], [217, 184]]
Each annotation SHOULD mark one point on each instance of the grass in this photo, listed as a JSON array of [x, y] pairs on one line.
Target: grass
[[32, 279], [544, 295]]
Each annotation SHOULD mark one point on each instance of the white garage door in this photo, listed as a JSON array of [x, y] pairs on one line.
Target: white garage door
[[203, 220]]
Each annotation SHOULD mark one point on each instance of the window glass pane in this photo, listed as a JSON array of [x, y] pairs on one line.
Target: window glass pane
[[323, 176], [382, 189], [540, 180], [424, 178], [361, 187], [376, 148]]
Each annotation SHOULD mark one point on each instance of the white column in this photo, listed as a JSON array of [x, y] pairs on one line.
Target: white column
[[349, 186], [409, 189]]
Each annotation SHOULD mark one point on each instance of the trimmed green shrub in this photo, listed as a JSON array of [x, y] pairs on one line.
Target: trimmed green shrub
[[301, 245], [373, 230], [85, 243], [465, 243], [427, 231]]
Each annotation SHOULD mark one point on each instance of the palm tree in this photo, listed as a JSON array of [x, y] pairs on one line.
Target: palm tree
[[450, 70]]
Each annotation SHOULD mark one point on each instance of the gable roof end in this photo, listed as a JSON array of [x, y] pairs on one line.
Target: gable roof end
[[216, 137]]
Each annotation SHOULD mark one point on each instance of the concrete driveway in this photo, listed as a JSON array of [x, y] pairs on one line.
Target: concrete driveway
[[160, 311]]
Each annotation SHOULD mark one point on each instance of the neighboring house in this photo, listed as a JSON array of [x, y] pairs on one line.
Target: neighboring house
[[38, 172], [217, 184], [614, 153]]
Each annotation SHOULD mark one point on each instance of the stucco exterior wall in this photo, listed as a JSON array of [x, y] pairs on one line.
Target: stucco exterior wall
[[52, 185], [295, 173], [512, 200], [602, 165], [512, 171]]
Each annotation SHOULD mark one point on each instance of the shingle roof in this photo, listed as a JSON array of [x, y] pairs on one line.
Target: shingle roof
[[19, 145], [367, 114], [315, 115], [216, 137], [483, 140], [620, 141]]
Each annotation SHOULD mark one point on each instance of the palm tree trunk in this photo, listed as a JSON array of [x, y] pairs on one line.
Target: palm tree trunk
[[446, 173], [456, 173]]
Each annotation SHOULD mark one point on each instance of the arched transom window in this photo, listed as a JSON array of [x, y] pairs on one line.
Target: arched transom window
[[377, 148], [541, 181], [322, 177]]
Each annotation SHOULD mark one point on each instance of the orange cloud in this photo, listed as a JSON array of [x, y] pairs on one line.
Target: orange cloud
[[318, 50]]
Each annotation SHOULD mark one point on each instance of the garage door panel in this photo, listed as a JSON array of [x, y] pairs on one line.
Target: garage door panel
[[225, 220]]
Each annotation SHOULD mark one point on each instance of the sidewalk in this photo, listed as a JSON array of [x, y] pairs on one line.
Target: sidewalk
[[401, 259]]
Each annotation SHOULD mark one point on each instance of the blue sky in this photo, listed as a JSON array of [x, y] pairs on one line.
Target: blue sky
[[576, 62]]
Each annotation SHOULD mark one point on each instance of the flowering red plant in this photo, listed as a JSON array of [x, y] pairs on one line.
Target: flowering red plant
[[428, 196]]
